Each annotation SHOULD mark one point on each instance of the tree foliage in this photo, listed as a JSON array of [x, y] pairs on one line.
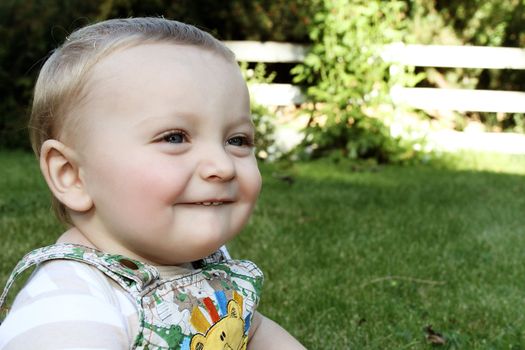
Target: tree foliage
[[277, 20], [28, 31]]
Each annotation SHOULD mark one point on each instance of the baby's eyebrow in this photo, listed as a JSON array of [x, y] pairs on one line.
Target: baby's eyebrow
[[186, 117], [242, 121], [191, 119]]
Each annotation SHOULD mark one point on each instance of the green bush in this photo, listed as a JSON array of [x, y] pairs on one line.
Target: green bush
[[350, 83]]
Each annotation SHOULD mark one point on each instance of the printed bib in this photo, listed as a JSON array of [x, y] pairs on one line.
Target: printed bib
[[210, 307]]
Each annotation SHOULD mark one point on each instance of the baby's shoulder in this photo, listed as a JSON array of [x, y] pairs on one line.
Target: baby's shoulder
[[72, 297], [68, 279]]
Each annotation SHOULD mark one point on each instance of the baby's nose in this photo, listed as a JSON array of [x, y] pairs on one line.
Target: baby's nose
[[216, 164]]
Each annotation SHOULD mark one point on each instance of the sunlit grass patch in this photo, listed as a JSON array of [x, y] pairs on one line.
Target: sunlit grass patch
[[369, 259]]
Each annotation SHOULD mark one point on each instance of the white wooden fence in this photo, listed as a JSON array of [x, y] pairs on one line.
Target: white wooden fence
[[413, 55], [422, 98]]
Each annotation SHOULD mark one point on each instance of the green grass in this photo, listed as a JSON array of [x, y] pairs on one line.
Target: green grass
[[360, 259]]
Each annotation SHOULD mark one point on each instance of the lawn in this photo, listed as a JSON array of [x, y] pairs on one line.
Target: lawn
[[358, 257]]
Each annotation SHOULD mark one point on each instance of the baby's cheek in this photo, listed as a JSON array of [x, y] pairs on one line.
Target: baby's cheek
[[144, 199], [138, 183], [250, 182], [160, 187]]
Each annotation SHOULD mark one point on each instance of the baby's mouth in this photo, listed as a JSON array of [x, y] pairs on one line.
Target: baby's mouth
[[209, 202]]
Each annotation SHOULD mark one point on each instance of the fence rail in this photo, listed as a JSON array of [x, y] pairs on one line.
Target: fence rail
[[269, 52], [455, 56], [413, 55]]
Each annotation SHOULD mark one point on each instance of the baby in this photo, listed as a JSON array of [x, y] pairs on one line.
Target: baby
[[142, 128]]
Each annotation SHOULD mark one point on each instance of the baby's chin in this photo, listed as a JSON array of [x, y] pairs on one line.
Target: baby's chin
[[175, 257]]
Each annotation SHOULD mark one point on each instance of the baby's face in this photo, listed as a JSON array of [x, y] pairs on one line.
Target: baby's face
[[165, 151]]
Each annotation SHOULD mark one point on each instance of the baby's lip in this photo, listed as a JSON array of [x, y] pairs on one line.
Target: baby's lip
[[210, 202]]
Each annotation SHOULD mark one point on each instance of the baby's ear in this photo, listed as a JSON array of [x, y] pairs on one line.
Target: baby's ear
[[62, 175]]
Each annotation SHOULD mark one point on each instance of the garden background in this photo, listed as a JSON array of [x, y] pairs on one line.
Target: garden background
[[368, 240]]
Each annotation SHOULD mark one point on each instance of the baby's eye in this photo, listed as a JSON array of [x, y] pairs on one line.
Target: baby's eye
[[174, 137], [240, 141]]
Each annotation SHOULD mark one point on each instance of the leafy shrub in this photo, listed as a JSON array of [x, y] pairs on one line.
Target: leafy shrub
[[350, 83]]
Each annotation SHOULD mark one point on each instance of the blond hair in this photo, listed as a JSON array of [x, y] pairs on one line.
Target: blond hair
[[63, 76]]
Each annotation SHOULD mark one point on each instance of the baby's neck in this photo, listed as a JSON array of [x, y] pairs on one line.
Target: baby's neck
[[73, 235]]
